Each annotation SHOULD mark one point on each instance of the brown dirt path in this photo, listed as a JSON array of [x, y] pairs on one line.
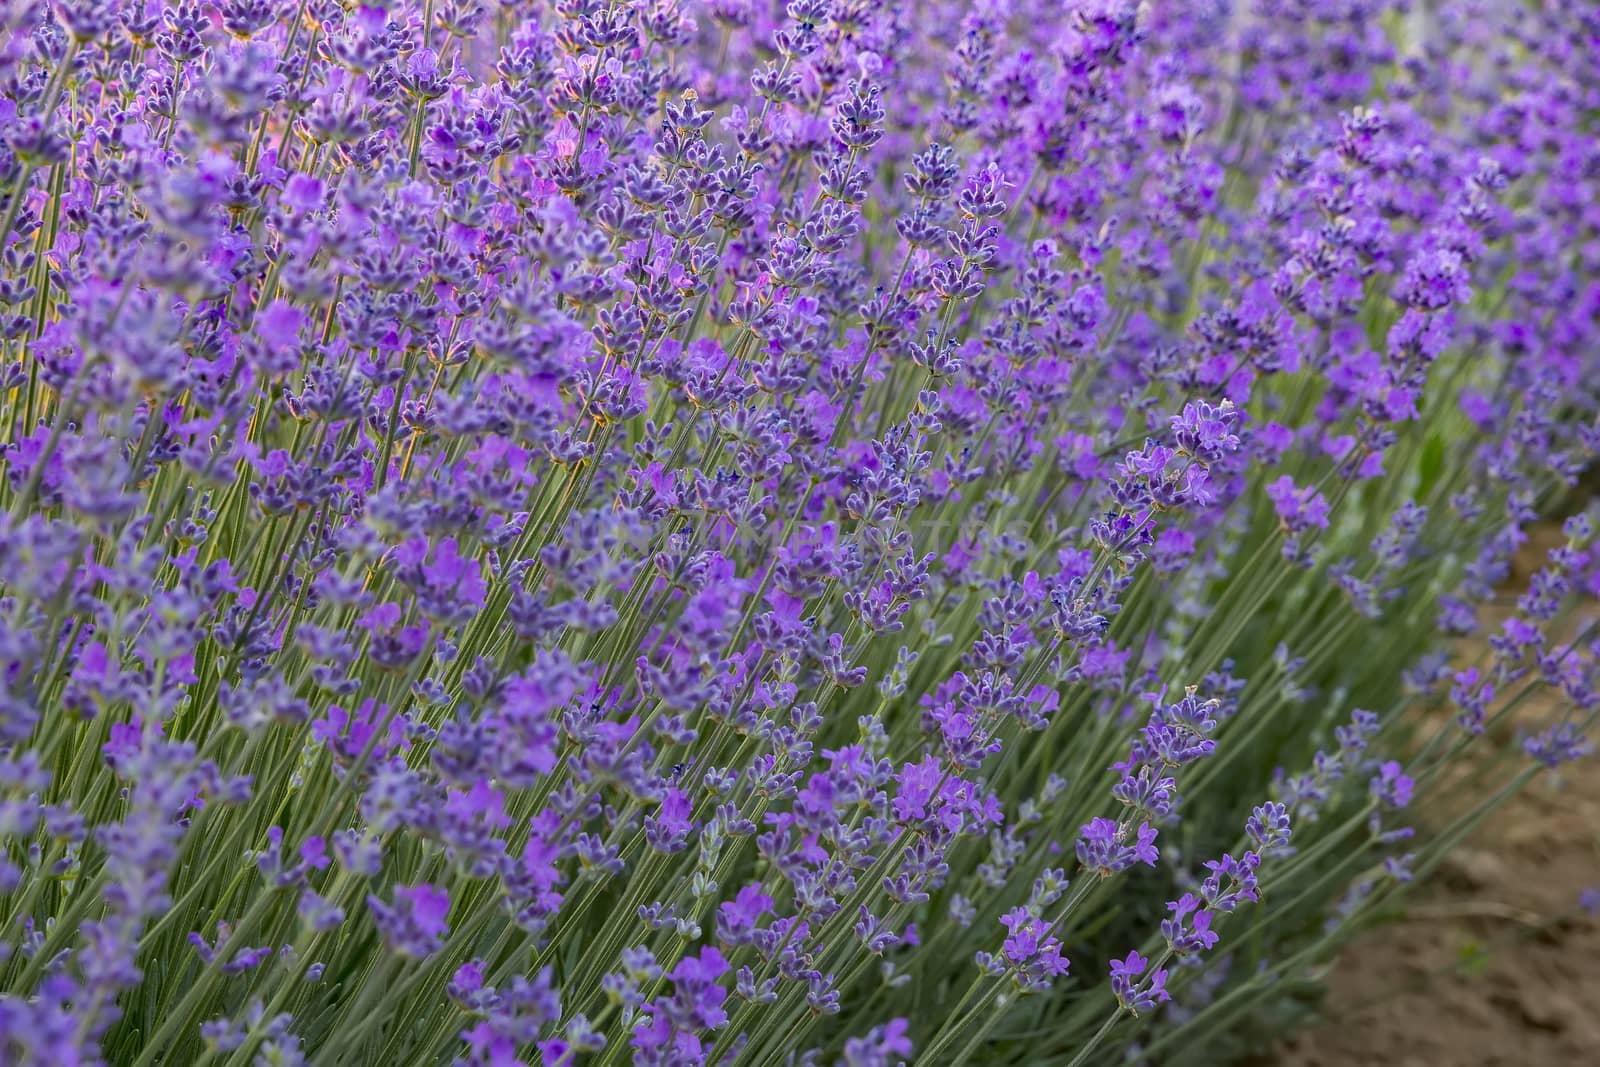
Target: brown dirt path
[[1492, 965]]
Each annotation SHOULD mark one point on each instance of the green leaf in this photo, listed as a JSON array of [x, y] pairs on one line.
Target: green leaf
[[1430, 463]]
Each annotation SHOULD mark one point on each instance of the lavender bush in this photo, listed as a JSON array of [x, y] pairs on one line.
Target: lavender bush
[[706, 531]]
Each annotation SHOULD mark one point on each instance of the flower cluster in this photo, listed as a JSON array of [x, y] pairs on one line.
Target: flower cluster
[[661, 531]]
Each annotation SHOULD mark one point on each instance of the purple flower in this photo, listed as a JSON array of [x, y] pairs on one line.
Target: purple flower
[[1030, 949], [1189, 928], [1268, 825], [1473, 694], [737, 919], [695, 1005], [879, 1048], [1230, 882], [1206, 432], [1390, 787], [415, 924], [1299, 508], [669, 829], [1134, 994], [695, 492], [1436, 279], [1102, 846], [1562, 743]]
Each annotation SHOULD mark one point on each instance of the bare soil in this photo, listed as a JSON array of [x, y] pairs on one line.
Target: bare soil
[[1493, 964]]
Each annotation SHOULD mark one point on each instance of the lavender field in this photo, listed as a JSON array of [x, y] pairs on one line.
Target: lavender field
[[579, 533]]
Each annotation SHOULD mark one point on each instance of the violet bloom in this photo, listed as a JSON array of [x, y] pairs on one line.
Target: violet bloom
[[1390, 786], [1562, 743], [415, 924], [737, 919], [1103, 846], [1133, 993], [883, 1046], [1188, 930], [1206, 432], [1030, 950], [1268, 825], [1230, 882], [641, 483], [1589, 900], [1299, 508], [679, 1020]]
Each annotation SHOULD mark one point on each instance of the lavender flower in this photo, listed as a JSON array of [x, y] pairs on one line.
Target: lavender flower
[[634, 530], [1134, 993]]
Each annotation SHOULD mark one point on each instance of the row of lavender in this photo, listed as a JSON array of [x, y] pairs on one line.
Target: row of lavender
[[705, 531]]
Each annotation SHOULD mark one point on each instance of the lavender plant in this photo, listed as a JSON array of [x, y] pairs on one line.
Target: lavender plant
[[691, 532]]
